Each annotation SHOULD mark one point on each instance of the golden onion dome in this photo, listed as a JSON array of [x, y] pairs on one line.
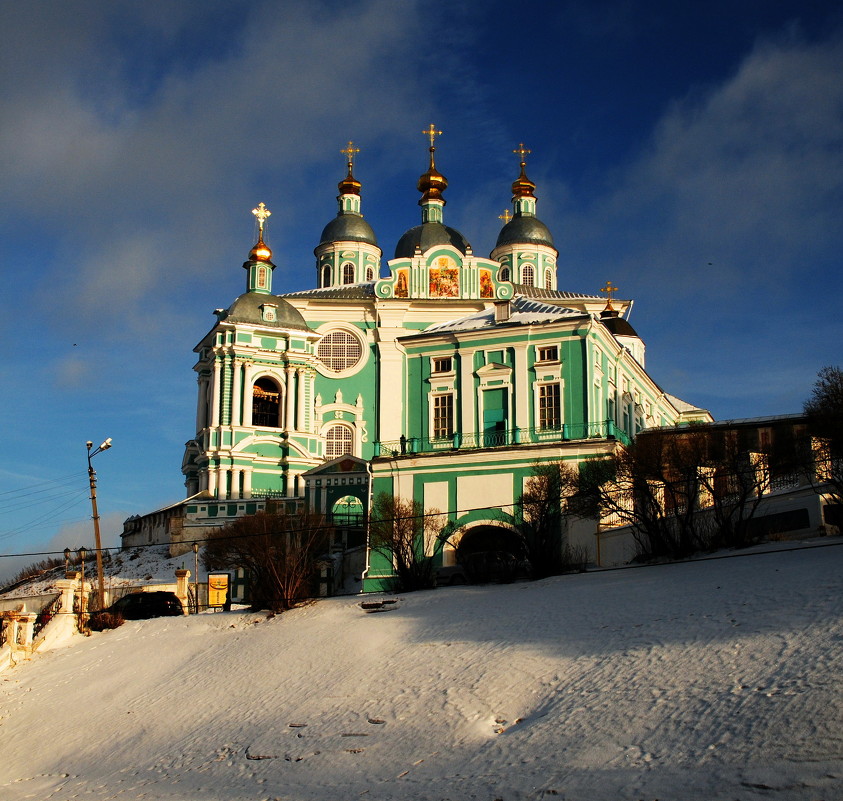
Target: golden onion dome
[[349, 185], [432, 183], [260, 252], [523, 186]]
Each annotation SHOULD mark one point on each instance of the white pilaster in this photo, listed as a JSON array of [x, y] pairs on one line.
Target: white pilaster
[[522, 387], [289, 420], [215, 394], [468, 422], [237, 393]]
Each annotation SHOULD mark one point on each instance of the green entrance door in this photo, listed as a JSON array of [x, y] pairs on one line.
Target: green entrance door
[[494, 417]]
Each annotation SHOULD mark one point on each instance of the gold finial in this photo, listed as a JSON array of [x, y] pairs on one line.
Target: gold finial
[[523, 186], [522, 153], [610, 293], [506, 216], [349, 151], [431, 133], [261, 212]]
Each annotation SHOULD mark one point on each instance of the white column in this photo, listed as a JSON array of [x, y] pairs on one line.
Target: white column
[[201, 402], [247, 483], [236, 393], [289, 420], [211, 479], [468, 423], [215, 394], [391, 424], [246, 418], [300, 401], [522, 388]]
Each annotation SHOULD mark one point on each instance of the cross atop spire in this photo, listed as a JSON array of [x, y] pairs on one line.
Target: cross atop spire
[[610, 293], [609, 289], [261, 212], [506, 216], [522, 153], [349, 151], [431, 133]]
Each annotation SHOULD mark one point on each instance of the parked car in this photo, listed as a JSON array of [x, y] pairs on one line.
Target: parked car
[[143, 605]]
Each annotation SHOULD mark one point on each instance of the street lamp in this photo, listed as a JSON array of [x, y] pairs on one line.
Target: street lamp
[[83, 552], [196, 576], [92, 479], [67, 554]]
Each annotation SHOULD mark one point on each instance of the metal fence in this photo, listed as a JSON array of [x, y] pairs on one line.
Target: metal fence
[[410, 446]]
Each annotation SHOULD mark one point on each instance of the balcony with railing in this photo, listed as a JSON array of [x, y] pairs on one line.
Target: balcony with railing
[[458, 441]]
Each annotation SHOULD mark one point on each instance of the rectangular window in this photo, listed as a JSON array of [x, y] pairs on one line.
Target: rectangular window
[[443, 415], [442, 365], [548, 353], [550, 407]]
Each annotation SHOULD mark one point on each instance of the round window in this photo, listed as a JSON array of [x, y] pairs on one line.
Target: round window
[[339, 351]]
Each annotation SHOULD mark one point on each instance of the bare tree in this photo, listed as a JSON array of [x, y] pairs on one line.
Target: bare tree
[[540, 518], [407, 535], [680, 491], [280, 553], [824, 410]]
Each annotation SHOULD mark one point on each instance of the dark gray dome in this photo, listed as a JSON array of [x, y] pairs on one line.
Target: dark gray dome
[[520, 230], [428, 235], [348, 228], [618, 326], [247, 309]]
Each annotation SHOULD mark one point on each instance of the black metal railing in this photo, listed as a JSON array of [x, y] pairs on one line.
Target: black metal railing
[[405, 446], [45, 616]]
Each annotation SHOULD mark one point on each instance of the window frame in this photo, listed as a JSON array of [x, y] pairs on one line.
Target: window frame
[[442, 415]]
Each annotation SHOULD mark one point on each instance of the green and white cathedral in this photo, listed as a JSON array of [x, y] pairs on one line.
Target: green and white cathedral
[[439, 376]]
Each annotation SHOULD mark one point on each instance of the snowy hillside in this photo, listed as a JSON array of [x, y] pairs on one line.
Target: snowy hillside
[[708, 680]]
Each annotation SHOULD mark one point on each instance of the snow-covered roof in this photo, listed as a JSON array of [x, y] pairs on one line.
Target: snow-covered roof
[[523, 311], [680, 405]]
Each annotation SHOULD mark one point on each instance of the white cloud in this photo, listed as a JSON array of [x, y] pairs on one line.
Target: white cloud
[[138, 189], [741, 185]]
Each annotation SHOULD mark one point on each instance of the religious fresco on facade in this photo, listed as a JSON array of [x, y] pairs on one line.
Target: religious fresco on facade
[[486, 288], [444, 279], [401, 284]]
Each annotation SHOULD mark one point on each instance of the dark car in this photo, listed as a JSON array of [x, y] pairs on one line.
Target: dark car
[[142, 605]]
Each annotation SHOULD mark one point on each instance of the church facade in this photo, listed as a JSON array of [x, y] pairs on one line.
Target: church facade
[[437, 375]]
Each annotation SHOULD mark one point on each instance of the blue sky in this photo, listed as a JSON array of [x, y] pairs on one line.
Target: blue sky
[[691, 153]]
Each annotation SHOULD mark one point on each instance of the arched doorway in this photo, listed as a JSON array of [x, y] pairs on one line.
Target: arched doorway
[[491, 553]]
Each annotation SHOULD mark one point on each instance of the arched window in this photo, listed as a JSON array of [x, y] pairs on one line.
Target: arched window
[[348, 273], [370, 274], [339, 350], [548, 279], [266, 403], [347, 511], [527, 275], [504, 273], [338, 441], [326, 275]]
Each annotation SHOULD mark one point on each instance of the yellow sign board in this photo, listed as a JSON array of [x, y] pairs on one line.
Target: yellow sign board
[[217, 589]]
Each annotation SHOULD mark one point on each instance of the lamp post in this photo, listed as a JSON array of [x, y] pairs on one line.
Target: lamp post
[[83, 552], [92, 479], [67, 554], [196, 576]]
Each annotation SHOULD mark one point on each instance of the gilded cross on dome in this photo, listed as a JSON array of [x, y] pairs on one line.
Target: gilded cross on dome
[[610, 292], [261, 212], [522, 153], [431, 133], [506, 216], [349, 151], [609, 289]]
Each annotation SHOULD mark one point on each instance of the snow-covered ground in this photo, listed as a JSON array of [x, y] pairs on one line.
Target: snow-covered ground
[[707, 680]]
